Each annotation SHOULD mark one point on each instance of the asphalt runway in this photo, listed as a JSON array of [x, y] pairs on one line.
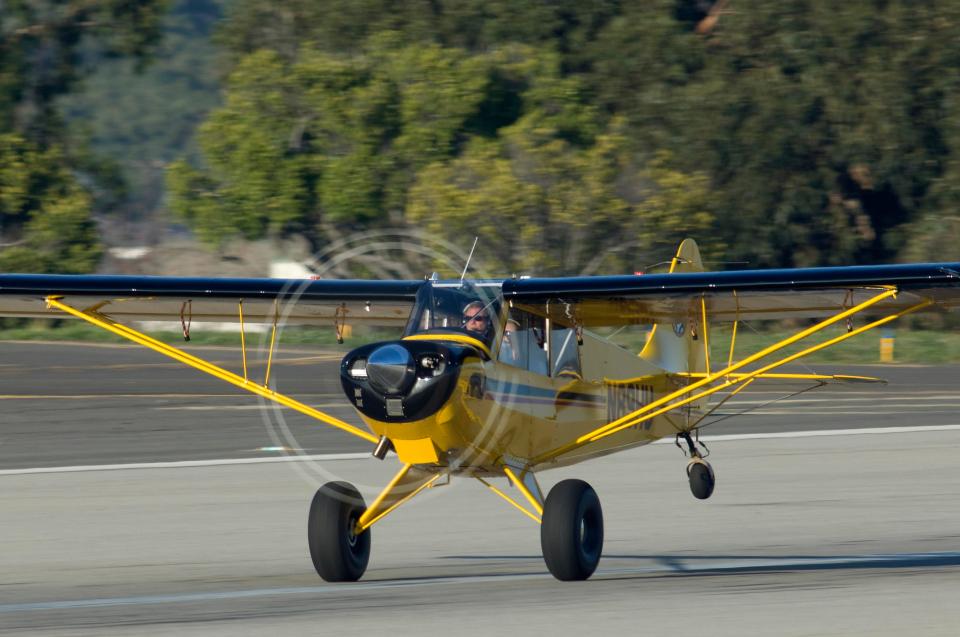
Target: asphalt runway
[[79, 404], [807, 534]]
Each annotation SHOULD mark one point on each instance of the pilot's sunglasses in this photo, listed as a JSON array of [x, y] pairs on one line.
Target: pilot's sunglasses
[[475, 317]]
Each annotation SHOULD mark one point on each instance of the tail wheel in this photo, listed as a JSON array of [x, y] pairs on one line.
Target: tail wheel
[[702, 479], [339, 554], [571, 533]]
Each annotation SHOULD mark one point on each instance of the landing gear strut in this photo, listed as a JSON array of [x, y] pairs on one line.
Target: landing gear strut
[[699, 472]]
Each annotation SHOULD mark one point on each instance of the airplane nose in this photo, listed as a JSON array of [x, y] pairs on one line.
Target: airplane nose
[[390, 369]]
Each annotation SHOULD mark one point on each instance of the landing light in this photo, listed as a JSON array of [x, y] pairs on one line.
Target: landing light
[[358, 368]]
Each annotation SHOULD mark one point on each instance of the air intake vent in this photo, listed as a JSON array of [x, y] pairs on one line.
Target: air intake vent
[[394, 407]]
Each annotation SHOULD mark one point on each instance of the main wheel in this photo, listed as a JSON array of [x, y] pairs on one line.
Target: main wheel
[[571, 533], [702, 479], [338, 553]]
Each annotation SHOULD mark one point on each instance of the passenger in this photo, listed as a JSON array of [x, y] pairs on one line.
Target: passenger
[[509, 349]]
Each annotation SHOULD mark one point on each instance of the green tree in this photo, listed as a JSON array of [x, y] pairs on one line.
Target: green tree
[[344, 26], [45, 221], [822, 125], [40, 46], [139, 119], [324, 139], [45, 211], [541, 206], [804, 132]]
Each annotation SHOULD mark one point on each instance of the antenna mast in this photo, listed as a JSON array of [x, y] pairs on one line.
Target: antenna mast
[[467, 265]]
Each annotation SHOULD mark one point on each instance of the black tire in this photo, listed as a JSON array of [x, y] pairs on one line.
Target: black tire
[[571, 534], [702, 480], [337, 553]]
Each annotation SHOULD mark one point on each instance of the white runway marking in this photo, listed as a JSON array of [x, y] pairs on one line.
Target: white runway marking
[[138, 396], [658, 565], [849, 411], [188, 463], [870, 399], [364, 455], [823, 432]]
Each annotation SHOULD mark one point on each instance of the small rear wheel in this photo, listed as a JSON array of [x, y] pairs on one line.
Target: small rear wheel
[[571, 533], [702, 479], [339, 554]]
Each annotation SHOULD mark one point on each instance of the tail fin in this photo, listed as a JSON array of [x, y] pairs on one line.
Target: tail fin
[[679, 346]]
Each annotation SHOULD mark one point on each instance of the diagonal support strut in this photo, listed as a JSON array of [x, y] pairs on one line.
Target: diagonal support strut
[[195, 362], [670, 401]]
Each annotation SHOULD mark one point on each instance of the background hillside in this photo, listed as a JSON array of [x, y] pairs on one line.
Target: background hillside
[[571, 137]]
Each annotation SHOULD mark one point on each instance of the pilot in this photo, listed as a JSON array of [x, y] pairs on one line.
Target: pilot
[[476, 319]]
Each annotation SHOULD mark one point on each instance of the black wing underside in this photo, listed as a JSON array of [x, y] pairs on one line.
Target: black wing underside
[[292, 301], [735, 295], [585, 301]]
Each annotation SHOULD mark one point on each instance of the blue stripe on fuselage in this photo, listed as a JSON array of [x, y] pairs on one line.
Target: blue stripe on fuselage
[[519, 392]]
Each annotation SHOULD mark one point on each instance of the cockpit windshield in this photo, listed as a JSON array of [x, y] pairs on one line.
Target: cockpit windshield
[[456, 308]]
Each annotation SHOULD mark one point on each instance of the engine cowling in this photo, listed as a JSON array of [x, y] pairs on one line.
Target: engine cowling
[[402, 381]]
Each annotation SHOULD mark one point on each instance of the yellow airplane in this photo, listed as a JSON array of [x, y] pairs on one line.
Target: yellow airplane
[[503, 378]]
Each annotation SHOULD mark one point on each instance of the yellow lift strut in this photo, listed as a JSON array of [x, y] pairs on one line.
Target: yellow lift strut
[[670, 401], [749, 377], [106, 323]]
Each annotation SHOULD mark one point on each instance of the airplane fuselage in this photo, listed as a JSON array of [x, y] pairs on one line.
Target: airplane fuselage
[[467, 412]]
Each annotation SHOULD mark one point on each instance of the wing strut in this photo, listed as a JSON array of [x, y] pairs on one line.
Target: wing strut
[[106, 323], [690, 394]]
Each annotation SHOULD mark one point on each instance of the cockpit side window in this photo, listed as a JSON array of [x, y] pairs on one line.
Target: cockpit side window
[[523, 343], [564, 352]]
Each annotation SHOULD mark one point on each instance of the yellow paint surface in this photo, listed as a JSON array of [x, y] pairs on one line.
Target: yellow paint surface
[[420, 451]]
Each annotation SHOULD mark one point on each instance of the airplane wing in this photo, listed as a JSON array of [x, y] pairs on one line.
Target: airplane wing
[[293, 301], [110, 301], [734, 294], [588, 301], [831, 294]]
